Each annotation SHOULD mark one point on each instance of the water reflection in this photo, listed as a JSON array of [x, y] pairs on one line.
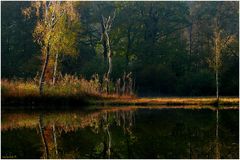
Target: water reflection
[[128, 132], [42, 133], [47, 143], [217, 141]]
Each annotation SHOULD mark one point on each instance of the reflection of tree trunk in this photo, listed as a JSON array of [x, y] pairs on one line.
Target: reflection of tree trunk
[[55, 69], [104, 146], [133, 118], [128, 146], [107, 136], [41, 129], [190, 150], [129, 120], [55, 140], [217, 143], [124, 122], [128, 139], [109, 142]]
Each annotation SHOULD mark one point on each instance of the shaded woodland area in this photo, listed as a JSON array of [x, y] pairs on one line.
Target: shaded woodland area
[[170, 48]]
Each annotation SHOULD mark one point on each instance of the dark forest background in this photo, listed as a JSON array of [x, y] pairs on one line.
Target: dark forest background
[[168, 46]]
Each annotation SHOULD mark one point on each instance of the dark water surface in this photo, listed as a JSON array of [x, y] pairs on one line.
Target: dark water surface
[[123, 132]]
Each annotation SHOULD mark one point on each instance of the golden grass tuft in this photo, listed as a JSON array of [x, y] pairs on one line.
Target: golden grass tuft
[[67, 86], [18, 88]]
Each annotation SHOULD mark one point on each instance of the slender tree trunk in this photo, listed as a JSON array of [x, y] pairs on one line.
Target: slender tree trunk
[[124, 83], [217, 86], [118, 85], [104, 43], [127, 60], [130, 87], [109, 73], [128, 46], [109, 65], [55, 69], [105, 51], [8, 45], [190, 40], [216, 74], [109, 53], [106, 25], [134, 85], [217, 59], [42, 77], [43, 137]]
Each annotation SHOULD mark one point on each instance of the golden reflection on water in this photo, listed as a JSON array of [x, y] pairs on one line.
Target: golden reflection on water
[[50, 126], [78, 119]]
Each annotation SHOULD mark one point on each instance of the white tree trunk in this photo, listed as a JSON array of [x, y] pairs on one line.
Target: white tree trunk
[[42, 77], [55, 69], [217, 43], [217, 85]]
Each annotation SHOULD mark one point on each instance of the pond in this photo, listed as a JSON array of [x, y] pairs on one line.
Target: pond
[[121, 132]]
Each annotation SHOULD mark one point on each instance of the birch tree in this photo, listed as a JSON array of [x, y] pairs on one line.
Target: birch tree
[[106, 27], [221, 39], [64, 42], [217, 51], [50, 15]]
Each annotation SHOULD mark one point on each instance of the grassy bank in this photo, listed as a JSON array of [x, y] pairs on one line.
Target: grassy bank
[[69, 91], [77, 92], [172, 101]]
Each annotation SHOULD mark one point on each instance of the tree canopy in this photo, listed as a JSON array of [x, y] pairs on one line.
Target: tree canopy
[[170, 47]]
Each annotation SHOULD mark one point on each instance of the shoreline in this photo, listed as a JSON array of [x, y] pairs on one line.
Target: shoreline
[[225, 101], [78, 102]]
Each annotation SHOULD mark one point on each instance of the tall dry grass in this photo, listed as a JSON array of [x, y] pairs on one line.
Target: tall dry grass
[[68, 85], [16, 88]]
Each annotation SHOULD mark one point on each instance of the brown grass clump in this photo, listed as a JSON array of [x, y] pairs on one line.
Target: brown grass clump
[[67, 86], [18, 88], [73, 86], [69, 90]]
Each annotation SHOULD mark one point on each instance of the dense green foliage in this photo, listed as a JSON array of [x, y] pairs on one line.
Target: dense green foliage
[[168, 46]]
